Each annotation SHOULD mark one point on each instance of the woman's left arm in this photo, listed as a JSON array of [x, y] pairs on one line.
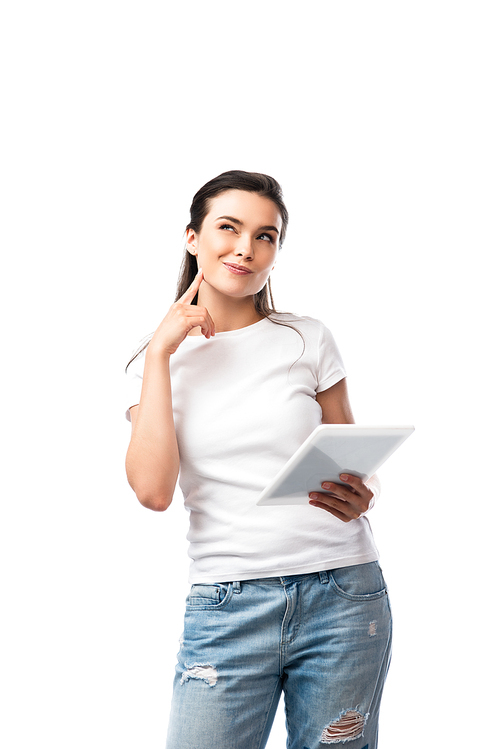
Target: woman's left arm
[[344, 502]]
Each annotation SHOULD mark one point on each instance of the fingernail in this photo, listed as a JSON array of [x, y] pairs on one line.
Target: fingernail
[[327, 485], [313, 496], [344, 477]]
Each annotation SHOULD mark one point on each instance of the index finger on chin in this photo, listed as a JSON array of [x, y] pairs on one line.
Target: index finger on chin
[[190, 294]]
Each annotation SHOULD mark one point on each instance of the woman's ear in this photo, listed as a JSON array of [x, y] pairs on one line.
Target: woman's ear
[[191, 242]]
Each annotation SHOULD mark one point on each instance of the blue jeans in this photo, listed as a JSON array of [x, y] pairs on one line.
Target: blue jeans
[[322, 638]]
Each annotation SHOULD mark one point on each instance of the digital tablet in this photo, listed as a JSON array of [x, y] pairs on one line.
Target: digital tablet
[[330, 450]]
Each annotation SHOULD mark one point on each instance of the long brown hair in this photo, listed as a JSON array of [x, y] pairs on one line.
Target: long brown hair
[[263, 185]]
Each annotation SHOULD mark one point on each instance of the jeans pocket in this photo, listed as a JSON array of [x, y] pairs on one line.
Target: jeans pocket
[[361, 582], [205, 596]]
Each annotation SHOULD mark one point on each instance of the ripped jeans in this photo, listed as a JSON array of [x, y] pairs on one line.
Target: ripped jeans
[[324, 639]]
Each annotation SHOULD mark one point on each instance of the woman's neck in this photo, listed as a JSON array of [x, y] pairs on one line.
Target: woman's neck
[[228, 313]]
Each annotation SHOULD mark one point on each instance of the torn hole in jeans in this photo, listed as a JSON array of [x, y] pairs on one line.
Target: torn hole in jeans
[[349, 726], [206, 673]]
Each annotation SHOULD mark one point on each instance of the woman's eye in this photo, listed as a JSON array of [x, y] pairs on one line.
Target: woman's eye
[[268, 237], [226, 226]]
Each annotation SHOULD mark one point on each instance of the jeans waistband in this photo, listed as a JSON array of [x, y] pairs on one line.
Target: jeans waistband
[[285, 580]]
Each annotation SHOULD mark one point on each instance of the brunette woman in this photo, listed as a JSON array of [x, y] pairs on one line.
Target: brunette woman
[[283, 599]]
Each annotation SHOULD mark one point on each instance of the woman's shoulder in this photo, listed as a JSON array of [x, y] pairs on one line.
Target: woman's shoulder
[[303, 322]]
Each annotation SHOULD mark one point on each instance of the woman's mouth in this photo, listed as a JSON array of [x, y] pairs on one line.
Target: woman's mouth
[[238, 270]]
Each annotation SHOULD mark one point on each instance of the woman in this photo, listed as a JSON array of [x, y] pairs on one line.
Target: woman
[[287, 598]]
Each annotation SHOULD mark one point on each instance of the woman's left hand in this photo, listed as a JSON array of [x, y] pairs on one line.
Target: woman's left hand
[[344, 502]]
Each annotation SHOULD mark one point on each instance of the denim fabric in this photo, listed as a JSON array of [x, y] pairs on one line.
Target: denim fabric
[[322, 638]]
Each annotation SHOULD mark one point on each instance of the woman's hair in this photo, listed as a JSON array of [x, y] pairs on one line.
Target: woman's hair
[[261, 184]]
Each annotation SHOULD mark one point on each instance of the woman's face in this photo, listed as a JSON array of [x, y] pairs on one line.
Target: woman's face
[[238, 242]]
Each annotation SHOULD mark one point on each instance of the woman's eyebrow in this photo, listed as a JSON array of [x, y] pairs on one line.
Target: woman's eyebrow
[[240, 223], [231, 218]]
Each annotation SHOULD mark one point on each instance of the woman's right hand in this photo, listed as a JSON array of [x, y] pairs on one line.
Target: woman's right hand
[[181, 318]]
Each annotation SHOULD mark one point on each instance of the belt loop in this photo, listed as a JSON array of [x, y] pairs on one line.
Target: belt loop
[[323, 577], [237, 587]]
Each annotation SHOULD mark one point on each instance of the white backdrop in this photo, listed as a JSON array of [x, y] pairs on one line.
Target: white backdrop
[[381, 121]]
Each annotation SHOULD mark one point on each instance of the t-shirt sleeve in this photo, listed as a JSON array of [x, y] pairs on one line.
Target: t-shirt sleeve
[[330, 365], [133, 383]]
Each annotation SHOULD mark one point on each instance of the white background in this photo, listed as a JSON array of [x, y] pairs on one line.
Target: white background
[[381, 121]]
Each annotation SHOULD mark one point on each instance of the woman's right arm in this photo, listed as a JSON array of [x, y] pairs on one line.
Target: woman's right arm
[[152, 461]]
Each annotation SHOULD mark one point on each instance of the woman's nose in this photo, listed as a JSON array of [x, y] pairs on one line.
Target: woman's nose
[[244, 248]]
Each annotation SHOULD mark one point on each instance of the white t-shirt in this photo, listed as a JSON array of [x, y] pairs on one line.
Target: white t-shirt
[[243, 402]]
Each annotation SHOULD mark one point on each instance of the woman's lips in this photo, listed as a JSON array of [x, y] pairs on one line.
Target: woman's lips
[[238, 270]]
